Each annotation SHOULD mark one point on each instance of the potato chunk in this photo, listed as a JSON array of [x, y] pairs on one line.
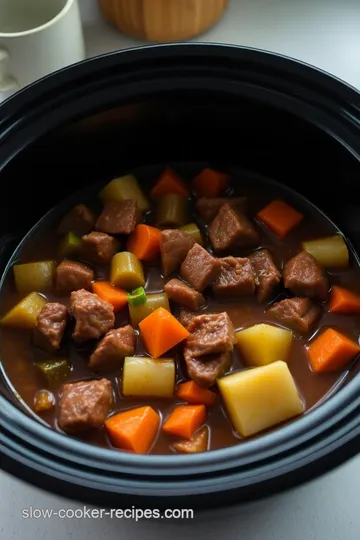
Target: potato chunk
[[330, 252], [25, 313], [263, 344], [144, 376], [260, 398]]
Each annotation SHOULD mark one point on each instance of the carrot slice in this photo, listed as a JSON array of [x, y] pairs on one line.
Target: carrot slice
[[210, 183], [160, 331], [193, 393], [184, 420], [344, 301], [134, 430], [115, 296], [144, 242], [169, 183], [331, 351], [280, 217]]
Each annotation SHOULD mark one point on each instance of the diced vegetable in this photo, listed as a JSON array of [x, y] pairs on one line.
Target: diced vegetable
[[55, 371], [118, 298], [153, 302], [260, 398], [127, 271], [198, 443], [144, 242], [331, 351], [25, 313], [330, 252], [280, 218], [137, 297], [161, 331], [124, 188], [263, 344], [35, 276], [148, 377], [44, 401], [193, 230], [171, 211], [193, 393], [184, 420], [70, 245], [344, 301], [169, 183], [210, 183], [134, 430]]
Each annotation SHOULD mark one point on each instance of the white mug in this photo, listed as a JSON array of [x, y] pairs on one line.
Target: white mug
[[37, 37]]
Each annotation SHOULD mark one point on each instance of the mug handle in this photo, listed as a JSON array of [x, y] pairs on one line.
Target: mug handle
[[7, 82]]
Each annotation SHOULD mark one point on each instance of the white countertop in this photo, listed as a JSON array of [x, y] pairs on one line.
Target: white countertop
[[325, 33]]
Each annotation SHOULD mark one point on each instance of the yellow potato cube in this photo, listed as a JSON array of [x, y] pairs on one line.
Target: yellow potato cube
[[151, 377], [260, 398], [25, 313], [123, 188], [263, 344]]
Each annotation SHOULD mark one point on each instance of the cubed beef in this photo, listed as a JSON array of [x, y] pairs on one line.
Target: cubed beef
[[94, 317], [50, 326], [236, 278], [84, 405], [210, 334], [303, 276], [298, 314], [186, 316], [184, 295], [72, 276], [99, 247], [118, 217], [174, 246], [231, 229], [80, 220], [267, 275], [207, 208], [200, 269], [204, 370], [112, 349]]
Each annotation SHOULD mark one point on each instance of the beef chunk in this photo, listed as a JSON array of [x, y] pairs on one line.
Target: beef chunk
[[50, 327], [231, 229], [304, 277], [118, 217], [99, 247], [299, 314], [267, 275], [207, 208], [236, 278], [186, 316], [94, 317], [174, 246], [112, 349], [80, 220], [71, 276], [184, 295], [84, 405], [205, 370], [199, 268], [210, 334]]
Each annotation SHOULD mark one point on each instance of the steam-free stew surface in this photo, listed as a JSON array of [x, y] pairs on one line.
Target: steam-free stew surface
[[19, 355]]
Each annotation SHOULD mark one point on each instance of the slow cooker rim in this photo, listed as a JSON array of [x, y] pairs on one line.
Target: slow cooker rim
[[9, 414]]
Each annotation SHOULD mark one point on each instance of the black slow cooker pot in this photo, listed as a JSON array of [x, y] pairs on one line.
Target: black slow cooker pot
[[164, 104]]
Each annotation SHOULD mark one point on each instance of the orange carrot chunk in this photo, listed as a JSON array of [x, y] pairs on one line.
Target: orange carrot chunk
[[210, 183], [144, 242], [279, 217], [344, 301], [160, 331], [169, 183], [331, 351], [115, 296], [134, 430], [193, 393], [184, 420]]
